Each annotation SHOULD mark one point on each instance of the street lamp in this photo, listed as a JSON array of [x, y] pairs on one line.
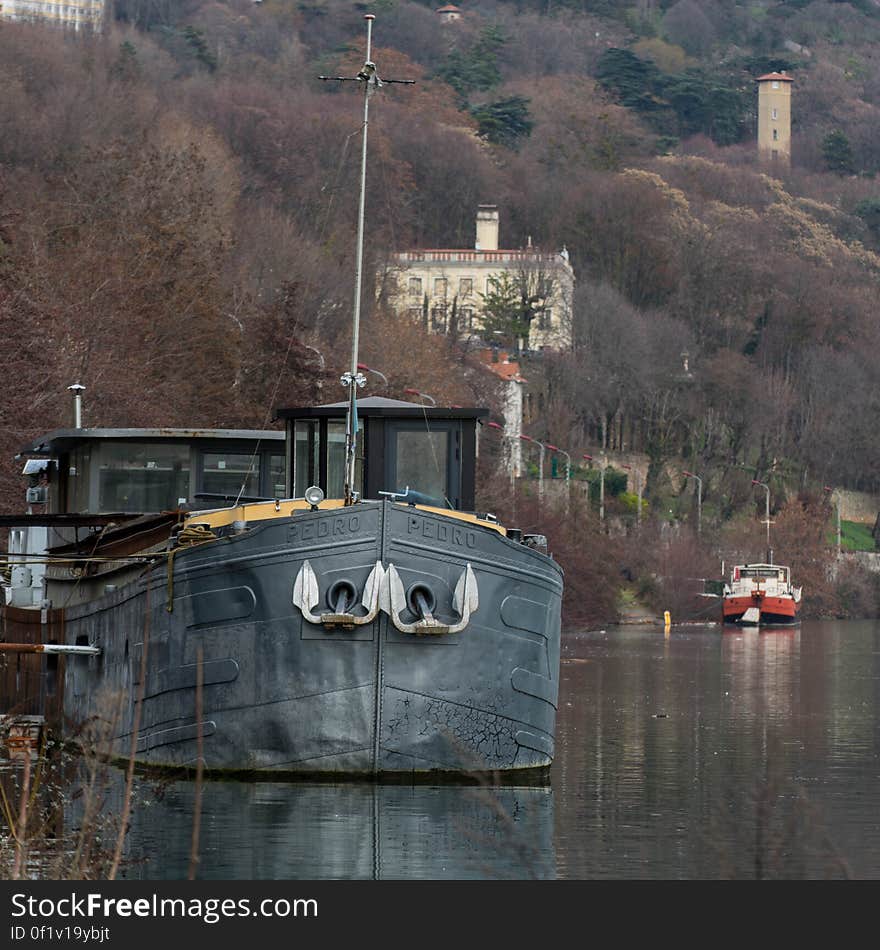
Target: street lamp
[[415, 392], [319, 384], [589, 458], [767, 517], [638, 475], [528, 438], [316, 351], [554, 448], [700, 501], [368, 369], [837, 507]]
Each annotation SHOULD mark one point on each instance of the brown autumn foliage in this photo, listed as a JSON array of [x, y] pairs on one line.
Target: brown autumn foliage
[[669, 570], [177, 233], [590, 559]]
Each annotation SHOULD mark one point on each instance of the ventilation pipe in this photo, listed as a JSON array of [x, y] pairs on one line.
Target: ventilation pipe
[[77, 389]]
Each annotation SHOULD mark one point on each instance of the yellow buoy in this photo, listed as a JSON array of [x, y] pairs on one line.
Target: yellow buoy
[[667, 620]]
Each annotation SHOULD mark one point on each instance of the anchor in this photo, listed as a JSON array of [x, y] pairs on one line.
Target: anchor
[[306, 596], [465, 600]]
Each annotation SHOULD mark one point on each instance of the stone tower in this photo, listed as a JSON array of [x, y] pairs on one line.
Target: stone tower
[[774, 118]]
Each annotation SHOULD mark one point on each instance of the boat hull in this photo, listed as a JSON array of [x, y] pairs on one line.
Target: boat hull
[[283, 696], [760, 611]]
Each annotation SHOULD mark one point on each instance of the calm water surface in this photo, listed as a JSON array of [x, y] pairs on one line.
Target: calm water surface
[[707, 753]]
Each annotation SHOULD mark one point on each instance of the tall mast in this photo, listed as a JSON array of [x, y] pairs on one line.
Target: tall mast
[[354, 379]]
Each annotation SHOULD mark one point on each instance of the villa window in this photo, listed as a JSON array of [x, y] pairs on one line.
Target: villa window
[[439, 286], [415, 286], [465, 286], [774, 114]]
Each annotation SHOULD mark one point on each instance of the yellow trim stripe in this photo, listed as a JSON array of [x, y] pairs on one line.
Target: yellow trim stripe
[[267, 510]]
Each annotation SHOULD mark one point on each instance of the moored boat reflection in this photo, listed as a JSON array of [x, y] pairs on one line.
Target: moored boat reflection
[[279, 831]]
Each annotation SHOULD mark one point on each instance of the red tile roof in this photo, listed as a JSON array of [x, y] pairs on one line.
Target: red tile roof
[[776, 76], [507, 369]]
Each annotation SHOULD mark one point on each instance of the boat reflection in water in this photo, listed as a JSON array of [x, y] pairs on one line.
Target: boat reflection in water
[[275, 831]]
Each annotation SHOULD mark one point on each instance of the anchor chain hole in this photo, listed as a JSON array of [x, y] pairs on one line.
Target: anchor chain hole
[[424, 593], [342, 596]]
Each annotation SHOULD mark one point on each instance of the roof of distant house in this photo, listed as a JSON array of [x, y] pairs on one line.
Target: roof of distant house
[[449, 8], [506, 368], [776, 76]]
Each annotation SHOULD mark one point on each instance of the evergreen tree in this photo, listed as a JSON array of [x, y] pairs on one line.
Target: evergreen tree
[[838, 153], [505, 121], [476, 69], [513, 301]]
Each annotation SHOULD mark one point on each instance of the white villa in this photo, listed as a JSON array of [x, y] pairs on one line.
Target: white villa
[[77, 14], [443, 285]]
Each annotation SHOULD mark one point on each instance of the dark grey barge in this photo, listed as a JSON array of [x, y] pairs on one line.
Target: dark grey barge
[[231, 599], [393, 638]]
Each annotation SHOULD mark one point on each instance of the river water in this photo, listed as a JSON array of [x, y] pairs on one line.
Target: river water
[[706, 753]]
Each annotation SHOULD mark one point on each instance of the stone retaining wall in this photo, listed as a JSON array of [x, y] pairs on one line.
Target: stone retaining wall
[[857, 506]]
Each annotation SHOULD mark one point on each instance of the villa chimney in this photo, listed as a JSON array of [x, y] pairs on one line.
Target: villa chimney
[[487, 228]]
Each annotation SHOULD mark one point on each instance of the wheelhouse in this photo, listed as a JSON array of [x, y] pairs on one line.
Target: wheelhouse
[[754, 572], [429, 450]]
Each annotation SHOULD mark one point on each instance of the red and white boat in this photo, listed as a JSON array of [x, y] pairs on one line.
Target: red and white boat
[[760, 594]]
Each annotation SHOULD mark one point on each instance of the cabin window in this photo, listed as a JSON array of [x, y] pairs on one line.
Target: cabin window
[[136, 476], [231, 473], [423, 460], [78, 469], [335, 459], [277, 487], [305, 456]]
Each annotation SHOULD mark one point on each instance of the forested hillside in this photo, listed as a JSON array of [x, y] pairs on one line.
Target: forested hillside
[[178, 202]]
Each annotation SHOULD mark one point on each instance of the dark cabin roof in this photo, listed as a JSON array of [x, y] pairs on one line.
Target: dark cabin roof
[[380, 407], [61, 440]]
